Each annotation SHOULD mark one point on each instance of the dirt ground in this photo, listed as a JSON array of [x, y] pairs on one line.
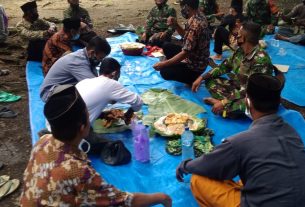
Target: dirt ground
[[15, 140]]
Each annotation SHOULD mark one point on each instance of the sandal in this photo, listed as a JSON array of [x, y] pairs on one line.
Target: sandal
[[5, 112], [4, 72], [9, 187], [4, 179]]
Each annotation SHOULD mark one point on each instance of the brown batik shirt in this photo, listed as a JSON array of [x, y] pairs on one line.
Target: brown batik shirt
[[59, 175], [56, 46], [196, 42]]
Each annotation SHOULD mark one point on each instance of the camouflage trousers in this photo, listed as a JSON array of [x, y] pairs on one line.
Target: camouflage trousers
[[221, 88]]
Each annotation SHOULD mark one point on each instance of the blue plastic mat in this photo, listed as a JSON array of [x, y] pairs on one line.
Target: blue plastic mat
[[158, 175]]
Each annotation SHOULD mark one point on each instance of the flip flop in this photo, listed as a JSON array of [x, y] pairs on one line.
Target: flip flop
[[9, 187], [4, 179]]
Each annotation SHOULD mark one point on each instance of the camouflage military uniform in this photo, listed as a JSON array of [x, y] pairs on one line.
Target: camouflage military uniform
[[34, 31], [209, 9], [262, 12], [79, 12], [157, 21], [59, 175], [238, 68]]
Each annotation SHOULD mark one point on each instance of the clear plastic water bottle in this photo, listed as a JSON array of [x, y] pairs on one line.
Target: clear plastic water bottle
[[141, 142], [187, 141]]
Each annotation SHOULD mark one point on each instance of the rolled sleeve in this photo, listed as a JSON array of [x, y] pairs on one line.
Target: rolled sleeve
[[122, 95]]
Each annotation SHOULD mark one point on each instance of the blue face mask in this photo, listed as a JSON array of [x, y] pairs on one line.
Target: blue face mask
[[76, 37]]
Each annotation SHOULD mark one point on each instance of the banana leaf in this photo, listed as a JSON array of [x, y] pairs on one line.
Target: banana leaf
[[116, 127], [162, 102]]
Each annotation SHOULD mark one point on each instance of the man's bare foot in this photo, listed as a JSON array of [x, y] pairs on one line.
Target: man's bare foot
[[280, 37], [216, 57], [210, 100]]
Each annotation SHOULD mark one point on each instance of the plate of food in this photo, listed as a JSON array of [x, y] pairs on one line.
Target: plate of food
[[173, 124]]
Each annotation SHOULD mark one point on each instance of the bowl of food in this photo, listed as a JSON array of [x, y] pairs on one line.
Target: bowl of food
[[132, 48]]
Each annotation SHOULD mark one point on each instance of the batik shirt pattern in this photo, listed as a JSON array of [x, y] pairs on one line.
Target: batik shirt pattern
[[196, 42], [59, 175]]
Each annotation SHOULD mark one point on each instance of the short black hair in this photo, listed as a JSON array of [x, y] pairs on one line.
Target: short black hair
[[253, 31], [99, 44], [194, 4], [66, 112], [264, 92], [109, 65], [71, 23]]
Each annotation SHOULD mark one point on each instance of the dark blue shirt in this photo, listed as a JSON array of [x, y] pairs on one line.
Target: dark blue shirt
[[269, 158]]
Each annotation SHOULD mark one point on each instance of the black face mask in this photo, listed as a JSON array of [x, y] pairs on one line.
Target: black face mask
[[35, 16], [185, 12], [94, 61]]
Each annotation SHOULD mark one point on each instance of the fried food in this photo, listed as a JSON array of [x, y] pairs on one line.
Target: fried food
[[111, 116]]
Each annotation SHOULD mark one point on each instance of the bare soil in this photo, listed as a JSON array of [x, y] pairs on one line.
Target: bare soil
[[15, 140]]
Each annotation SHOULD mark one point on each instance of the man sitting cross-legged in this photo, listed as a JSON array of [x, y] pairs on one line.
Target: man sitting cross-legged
[[228, 94], [59, 172], [269, 158]]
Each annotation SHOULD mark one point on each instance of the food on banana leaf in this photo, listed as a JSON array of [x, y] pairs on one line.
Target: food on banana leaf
[[174, 124], [111, 116], [132, 46]]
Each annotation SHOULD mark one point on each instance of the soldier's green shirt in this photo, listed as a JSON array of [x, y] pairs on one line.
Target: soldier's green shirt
[[209, 9], [259, 11], [157, 20], [78, 13], [240, 66]]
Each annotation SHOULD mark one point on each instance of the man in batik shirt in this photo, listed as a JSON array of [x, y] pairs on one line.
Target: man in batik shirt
[[228, 94], [185, 64], [157, 31], [60, 43], [59, 172]]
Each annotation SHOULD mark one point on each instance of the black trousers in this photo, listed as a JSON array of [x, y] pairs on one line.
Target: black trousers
[[35, 50], [221, 38], [178, 72]]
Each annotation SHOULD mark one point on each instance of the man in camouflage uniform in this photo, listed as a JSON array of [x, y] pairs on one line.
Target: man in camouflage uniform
[[294, 30], [34, 31], [157, 31], [228, 94], [210, 8], [59, 172], [264, 13], [75, 11]]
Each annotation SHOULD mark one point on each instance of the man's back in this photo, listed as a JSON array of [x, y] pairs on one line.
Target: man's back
[[271, 164], [69, 69]]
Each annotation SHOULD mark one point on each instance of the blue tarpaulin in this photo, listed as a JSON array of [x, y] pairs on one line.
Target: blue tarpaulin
[[159, 174]]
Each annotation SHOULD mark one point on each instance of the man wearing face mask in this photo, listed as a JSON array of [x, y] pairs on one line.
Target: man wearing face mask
[[186, 63], [76, 11], [157, 31], [100, 91], [60, 43], [75, 66], [59, 172], [269, 158], [228, 94], [34, 31]]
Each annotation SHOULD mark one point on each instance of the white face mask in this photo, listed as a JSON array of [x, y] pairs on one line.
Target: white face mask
[[247, 111], [80, 146]]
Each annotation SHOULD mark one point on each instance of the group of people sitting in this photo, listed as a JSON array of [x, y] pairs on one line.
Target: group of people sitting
[[77, 86]]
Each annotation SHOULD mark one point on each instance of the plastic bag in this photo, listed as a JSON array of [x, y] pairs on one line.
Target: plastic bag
[[115, 153]]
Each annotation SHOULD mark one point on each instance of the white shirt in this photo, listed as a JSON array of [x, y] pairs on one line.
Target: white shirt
[[100, 91]]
